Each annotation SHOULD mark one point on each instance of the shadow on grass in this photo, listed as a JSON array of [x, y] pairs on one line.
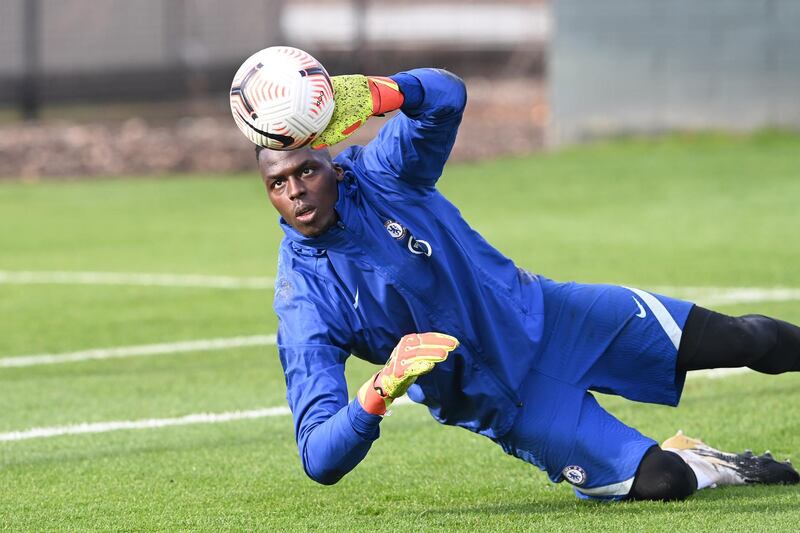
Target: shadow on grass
[[729, 500]]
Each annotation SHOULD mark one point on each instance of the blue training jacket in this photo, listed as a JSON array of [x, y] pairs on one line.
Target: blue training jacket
[[401, 260]]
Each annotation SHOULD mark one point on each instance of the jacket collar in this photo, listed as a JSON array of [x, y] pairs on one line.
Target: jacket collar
[[333, 237]]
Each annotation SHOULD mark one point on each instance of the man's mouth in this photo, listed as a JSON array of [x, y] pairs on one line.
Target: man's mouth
[[305, 213]]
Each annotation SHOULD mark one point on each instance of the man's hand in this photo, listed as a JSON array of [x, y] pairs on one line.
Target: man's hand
[[356, 98], [414, 355]]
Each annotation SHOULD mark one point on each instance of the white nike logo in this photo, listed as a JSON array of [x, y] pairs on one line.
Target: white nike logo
[[642, 313], [355, 302]]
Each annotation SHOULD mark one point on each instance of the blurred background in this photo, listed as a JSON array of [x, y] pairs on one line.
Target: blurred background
[[116, 87]]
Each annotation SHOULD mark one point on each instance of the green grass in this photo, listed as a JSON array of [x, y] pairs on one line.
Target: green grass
[[680, 211]]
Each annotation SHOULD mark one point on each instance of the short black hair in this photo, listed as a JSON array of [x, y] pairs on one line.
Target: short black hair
[[260, 149]]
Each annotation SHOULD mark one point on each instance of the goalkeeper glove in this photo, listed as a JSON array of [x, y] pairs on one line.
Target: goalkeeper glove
[[356, 98], [414, 355]]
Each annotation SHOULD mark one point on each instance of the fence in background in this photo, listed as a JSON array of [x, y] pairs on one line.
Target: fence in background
[[632, 66], [616, 66], [116, 50]]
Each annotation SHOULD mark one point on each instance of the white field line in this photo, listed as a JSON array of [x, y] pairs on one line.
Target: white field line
[[153, 423], [712, 296], [139, 350], [703, 295], [133, 278], [150, 423], [717, 373], [216, 418]]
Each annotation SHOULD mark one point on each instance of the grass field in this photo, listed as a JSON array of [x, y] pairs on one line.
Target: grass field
[[681, 212]]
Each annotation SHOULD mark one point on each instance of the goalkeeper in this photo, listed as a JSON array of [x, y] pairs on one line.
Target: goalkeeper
[[378, 264]]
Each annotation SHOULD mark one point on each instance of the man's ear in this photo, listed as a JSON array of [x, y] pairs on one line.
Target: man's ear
[[339, 171]]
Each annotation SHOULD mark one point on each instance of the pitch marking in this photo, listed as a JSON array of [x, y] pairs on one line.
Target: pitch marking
[[704, 295], [711, 296], [139, 351], [150, 423], [716, 373], [26, 277], [153, 423]]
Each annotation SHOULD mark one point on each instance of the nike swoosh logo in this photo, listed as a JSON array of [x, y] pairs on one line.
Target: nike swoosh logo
[[285, 140], [642, 313], [355, 301]]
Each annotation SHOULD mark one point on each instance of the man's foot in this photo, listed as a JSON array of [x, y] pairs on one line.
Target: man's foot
[[724, 468]]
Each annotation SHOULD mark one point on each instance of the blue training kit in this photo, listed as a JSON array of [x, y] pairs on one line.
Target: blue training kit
[[401, 260]]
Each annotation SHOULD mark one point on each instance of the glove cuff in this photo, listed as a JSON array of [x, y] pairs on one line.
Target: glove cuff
[[386, 95], [370, 400]]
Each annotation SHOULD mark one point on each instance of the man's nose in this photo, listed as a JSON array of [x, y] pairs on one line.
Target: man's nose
[[296, 188]]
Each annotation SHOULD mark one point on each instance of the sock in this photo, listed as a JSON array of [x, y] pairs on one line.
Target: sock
[[709, 473]]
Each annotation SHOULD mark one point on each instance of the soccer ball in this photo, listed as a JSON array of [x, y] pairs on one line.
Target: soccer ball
[[281, 98]]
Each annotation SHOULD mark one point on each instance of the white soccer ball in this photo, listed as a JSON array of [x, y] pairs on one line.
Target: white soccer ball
[[281, 98]]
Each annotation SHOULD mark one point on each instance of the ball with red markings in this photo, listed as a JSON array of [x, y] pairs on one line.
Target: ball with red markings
[[281, 98]]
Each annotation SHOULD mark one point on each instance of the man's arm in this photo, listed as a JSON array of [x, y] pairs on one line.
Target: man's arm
[[414, 145], [333, 435]]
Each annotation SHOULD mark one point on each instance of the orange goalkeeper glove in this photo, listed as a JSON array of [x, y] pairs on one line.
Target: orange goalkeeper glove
[[414, 355], [356, 98]]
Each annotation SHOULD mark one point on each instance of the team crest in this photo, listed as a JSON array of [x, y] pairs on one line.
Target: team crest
[[283, 289], [395, 229], [415, 246], [574, 474]]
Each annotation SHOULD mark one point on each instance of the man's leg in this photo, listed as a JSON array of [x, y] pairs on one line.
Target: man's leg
[[714, 340], [611, 460], [713, 467], [663, 475], [563, 430], [682, 465], [626, 342]]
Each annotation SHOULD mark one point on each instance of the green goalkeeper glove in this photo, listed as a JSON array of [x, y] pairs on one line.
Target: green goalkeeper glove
[[356, 98], [414, 355]]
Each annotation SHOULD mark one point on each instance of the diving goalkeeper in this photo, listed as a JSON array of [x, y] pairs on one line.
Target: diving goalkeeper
[[378, 264]]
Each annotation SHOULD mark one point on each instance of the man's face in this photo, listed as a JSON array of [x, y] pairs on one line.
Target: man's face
[[302, 185]]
